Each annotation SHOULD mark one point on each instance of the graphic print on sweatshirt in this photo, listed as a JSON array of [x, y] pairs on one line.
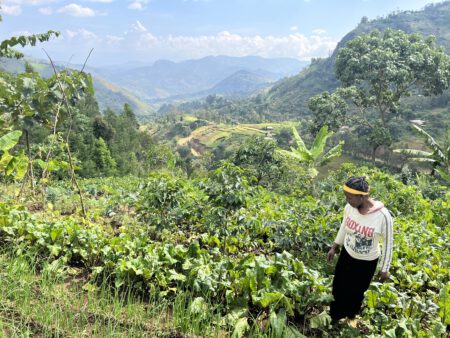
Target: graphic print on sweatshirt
[[359, 237]]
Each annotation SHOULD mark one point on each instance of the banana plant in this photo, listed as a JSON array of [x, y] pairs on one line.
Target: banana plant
[[315, 156], [438, 155], [9, 164]]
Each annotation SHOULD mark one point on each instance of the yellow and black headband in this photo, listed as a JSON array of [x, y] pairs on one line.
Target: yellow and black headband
[[354, 191]]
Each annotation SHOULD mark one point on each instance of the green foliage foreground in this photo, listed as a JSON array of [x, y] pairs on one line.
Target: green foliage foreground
[[257, 256]]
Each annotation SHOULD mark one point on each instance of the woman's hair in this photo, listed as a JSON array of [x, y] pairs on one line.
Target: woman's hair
[[358, 183]]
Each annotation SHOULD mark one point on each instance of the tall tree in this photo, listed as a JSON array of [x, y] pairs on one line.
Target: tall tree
[[106, 165], [386, 66]]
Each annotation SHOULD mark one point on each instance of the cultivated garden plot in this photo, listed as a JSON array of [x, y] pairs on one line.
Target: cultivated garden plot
[[240, 258]]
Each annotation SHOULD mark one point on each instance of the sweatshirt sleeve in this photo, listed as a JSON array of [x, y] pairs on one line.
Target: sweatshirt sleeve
[[341, 233], [388, 238]]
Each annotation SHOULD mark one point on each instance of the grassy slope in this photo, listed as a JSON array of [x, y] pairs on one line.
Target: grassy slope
[[53, 300]]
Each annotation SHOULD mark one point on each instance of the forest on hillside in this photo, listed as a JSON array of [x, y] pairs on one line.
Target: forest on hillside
[[194, 226]]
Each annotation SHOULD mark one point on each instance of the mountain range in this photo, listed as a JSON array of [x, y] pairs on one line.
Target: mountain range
[[165, 80]]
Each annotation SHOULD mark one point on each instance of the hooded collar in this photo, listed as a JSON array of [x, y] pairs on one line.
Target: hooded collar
[[377, 205]]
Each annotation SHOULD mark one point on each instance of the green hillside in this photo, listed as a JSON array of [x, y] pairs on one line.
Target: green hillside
[[112, 96], [291, 96]]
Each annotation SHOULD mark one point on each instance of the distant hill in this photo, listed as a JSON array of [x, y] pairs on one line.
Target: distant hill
[[165, 79], [108, 95], [244, 82], [290, 96], [238, 85]]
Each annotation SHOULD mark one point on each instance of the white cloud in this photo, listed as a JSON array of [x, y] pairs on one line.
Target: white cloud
[[114, 40], [141, 44], [295, 45], [81, 35], [46, 11], [101, 1], [319, 31], [294, 28], [11, 10], [14, 7], [76, 10], [138, 5], [139, 27]]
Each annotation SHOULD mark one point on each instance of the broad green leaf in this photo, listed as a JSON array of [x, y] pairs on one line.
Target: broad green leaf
[[390, 333], [319, 142], [332, 153], [445, 175], [198, 306], [9, 140], [176, 276], [438, 329], [292, 332], [299, 141], [240, 328], [431, 143], [40, 162], [22, 166], [4, 161], [423, 159], [320, 321], [268, 298], [235, 314], [372, 299], [278, 322], [55, 233], [17, 165]]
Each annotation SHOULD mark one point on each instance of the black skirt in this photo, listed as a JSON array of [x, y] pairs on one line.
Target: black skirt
[[351, 279]]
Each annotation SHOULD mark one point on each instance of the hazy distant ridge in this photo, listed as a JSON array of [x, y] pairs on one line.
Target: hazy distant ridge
[[165, 78]]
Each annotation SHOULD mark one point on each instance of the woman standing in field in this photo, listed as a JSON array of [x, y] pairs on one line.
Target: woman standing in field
[[365, 222]]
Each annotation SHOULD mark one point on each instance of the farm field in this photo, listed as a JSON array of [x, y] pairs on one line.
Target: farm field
[[254, 267], [209, 136]]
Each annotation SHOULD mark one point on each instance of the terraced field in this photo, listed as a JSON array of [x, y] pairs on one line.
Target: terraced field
[[207, 137]]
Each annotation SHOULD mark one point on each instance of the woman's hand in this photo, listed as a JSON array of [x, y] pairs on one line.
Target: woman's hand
[[382, 276], [330, 254]]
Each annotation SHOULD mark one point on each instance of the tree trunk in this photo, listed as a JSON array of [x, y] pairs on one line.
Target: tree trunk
[[30, 163], [374, 150], [383, 118]]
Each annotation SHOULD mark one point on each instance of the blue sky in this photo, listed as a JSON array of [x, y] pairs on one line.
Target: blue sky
[[147, 30]]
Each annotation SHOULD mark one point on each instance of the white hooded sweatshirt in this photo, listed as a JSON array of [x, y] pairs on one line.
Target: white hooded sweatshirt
[[360, 234]]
